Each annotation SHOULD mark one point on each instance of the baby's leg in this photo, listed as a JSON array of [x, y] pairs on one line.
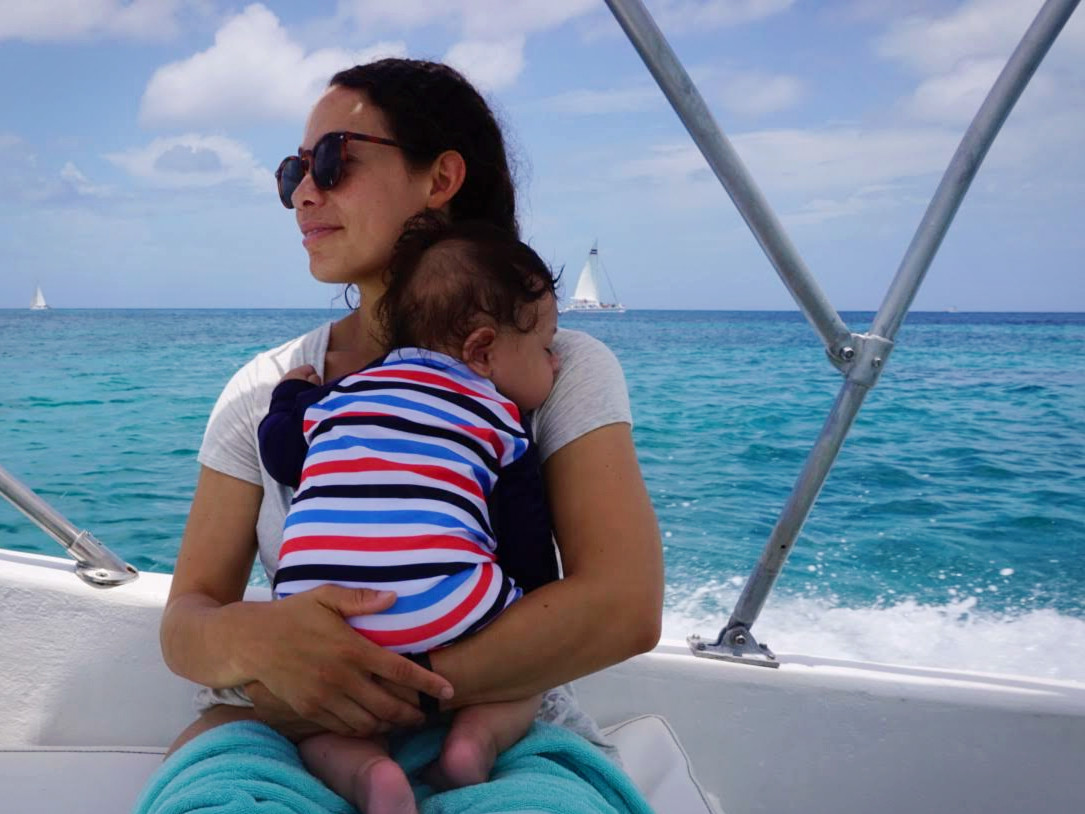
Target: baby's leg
[[479, 734], [359, 770]]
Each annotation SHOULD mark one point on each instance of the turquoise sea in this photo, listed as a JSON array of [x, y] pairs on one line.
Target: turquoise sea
[[951, 531]]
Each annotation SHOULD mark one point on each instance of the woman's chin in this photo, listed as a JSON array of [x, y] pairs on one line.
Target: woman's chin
[[324, 273]]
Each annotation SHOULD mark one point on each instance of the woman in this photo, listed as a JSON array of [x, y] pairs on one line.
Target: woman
[[428, 141]]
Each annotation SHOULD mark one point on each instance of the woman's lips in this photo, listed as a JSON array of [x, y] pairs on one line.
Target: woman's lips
[[311, 234]]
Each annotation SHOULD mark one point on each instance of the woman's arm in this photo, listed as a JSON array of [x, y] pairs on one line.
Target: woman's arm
[[609, 605], [300, 648]]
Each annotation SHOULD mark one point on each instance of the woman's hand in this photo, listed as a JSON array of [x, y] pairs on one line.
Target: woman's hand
[[328, 674], [300, 648]]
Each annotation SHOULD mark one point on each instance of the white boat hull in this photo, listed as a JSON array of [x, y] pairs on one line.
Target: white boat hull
[[82, 669]]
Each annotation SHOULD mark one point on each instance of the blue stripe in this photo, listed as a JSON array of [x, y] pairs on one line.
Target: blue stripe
[[421, 601], [391, 401], [393, 517], [404, 445]]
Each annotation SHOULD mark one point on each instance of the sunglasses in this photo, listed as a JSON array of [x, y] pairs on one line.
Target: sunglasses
[[324, 162]]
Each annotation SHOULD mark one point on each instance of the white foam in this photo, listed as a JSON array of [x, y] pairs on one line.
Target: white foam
[[1040, 643]]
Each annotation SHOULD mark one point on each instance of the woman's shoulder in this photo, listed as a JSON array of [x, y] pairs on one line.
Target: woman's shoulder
[[270, 365], [229, 441], [589, 392]]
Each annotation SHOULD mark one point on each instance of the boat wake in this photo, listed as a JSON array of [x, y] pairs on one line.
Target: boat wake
[[1041, 643]]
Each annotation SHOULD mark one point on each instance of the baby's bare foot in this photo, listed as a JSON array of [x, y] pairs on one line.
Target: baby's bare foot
[[381, 787], [468, 757]]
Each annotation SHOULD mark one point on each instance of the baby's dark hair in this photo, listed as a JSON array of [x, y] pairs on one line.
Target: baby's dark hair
[[447, 279]]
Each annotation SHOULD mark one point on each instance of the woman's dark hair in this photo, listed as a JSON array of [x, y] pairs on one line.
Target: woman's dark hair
[[449, 278], [431, 108]]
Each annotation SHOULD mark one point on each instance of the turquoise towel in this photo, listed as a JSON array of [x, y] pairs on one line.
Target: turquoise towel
[[248, 768]]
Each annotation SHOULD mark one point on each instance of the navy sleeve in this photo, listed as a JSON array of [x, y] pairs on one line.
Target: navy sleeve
[[520, 518], [282, 439]]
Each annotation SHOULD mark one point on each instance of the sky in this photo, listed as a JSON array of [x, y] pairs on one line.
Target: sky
[[142, 135]]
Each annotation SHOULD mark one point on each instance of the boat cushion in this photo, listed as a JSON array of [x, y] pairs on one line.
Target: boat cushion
[[659, 766], [109, 779]]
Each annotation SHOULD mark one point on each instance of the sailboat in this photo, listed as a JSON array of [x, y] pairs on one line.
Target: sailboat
[[38, 303], [586, 295]]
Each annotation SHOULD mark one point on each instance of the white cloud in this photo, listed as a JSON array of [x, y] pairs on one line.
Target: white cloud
[[959, 54], [743, 93], [586, 102], [477, 19], [59, 20], [489, 65], [699, 15], [73, 177], [195, 161], [957, 95], [253, 71], [861, 202], [978, 28], [813, 162], [755, 94]]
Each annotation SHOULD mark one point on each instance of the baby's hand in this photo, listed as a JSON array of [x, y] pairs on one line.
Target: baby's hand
[[305, 373]]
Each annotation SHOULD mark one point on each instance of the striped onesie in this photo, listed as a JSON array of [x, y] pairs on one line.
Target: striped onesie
[[392, 495]]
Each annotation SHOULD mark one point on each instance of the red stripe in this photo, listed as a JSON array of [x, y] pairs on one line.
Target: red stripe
[[434, 471], [442, 381], [412, 543], [490, 436], [394, 638]]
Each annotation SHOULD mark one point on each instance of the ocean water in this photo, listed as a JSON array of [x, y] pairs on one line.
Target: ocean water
[[951, 531]]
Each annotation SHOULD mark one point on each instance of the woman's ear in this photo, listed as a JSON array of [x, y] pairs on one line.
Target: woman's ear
[[478, 351], [446, 177]]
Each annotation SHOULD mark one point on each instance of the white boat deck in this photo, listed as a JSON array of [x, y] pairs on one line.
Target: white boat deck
[[82, 671]]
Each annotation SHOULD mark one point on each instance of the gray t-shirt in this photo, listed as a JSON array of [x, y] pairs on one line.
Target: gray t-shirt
[[589, 393]]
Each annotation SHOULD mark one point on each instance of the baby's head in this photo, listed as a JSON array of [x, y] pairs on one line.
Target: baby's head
[[474, 292]]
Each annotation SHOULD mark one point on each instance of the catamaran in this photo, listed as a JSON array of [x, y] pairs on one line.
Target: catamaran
[[702, 725], [586, 295], [37, 302]]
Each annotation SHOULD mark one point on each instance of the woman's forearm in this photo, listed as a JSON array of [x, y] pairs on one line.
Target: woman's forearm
[[206, 641], [538, 644], [606, 609], [205, 623]]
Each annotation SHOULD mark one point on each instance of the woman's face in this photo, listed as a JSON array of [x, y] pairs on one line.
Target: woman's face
[[349, 230]]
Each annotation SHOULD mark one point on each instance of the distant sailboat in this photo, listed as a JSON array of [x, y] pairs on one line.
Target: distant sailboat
[[39, 303], [586, 296]]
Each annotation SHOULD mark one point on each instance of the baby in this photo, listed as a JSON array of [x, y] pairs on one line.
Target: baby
[[416, 475]]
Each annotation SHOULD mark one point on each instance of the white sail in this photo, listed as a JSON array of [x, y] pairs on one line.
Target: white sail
[[586, 297], [38, 303], [586, 289]]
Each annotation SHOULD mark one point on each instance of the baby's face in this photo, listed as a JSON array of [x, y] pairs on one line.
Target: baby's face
[[525, 364]]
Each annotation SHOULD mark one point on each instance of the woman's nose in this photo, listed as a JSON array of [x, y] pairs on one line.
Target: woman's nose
[[555, 362], [307, 193]]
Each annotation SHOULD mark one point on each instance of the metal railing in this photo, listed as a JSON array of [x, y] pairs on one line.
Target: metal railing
[[860, 357], [95, 564]]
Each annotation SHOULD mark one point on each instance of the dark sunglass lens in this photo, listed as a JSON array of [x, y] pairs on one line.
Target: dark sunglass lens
[[290, 173], [327, 161]]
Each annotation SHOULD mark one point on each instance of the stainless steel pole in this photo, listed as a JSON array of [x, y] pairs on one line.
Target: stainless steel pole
[[735, 640], [966, 162], [96, 564], [687, 102]]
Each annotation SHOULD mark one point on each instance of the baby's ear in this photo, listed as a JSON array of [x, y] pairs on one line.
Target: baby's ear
[[478, 351]]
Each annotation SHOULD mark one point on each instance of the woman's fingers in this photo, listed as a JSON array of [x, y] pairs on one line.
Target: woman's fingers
[[406, 673], [358, 721], [361, 601], [349, 602]]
